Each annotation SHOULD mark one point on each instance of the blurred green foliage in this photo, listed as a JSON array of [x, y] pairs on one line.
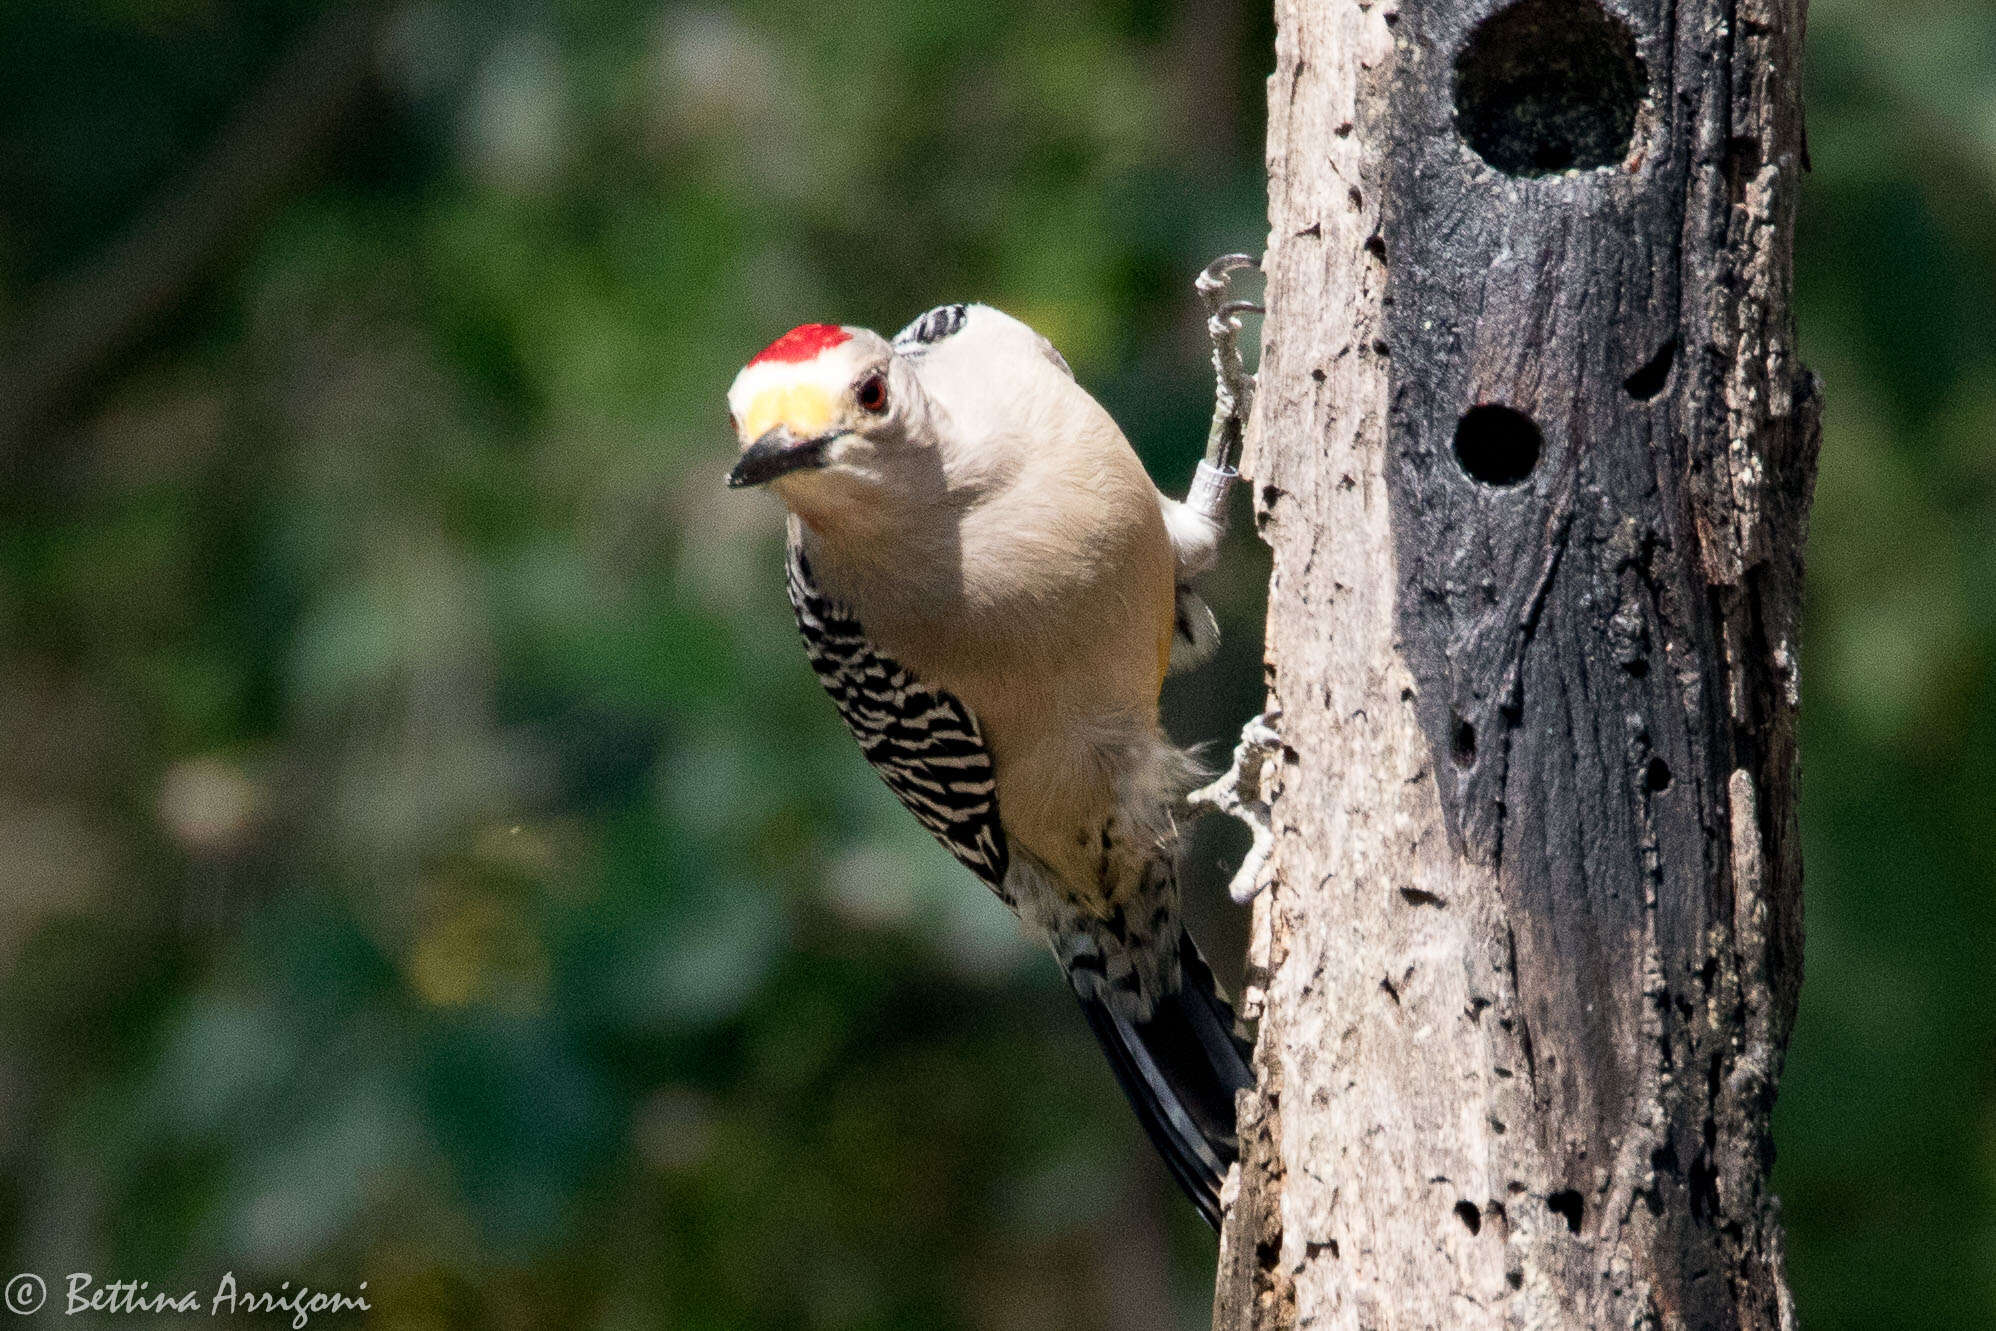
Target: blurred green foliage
[[428, 860], [1887, 1123]]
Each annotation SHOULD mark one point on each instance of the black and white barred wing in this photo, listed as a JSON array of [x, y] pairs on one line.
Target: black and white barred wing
[[924, 743]]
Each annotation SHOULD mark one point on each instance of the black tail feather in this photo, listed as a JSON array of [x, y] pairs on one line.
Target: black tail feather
[[1180, 1070]]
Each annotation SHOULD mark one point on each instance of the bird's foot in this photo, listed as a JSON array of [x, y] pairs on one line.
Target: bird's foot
[[1239, 793], [1233, 386]]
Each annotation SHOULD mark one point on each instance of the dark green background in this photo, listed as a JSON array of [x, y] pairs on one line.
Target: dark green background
[[427, 858]]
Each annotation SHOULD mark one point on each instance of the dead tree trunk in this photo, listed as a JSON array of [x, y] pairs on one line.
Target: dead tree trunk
[[1534, 454]]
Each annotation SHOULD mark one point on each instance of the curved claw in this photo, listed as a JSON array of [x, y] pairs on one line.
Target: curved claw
[[1213, 277], [1243, 792], [1228, 316], [1233, 394]]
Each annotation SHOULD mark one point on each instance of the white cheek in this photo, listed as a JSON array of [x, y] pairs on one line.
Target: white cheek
[[856, 456]]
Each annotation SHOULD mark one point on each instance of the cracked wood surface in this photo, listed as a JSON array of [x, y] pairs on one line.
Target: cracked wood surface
[[1531, 952]]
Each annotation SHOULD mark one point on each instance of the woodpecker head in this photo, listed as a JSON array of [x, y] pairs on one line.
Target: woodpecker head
[[859, 435], [819, 408]]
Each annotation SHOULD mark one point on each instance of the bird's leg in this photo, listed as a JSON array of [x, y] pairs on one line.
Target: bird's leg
[[1238, 793], [1233, 386]]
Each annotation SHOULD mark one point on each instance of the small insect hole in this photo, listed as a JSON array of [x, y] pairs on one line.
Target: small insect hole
[[1656, 776], [1462, 744], [1649, 379], [1568, 1206], [1470, 1215]]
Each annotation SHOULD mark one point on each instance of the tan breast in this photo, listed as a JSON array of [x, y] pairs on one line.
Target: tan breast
[[1047, 611]]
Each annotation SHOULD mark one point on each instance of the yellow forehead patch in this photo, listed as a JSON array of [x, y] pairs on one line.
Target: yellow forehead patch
[[805, 408]]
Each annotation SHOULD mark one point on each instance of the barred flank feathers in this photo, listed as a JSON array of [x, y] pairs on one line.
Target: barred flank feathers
[[924, 743]]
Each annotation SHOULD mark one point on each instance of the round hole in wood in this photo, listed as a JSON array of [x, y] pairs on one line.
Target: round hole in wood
[[1544, 86], [1497, 445]]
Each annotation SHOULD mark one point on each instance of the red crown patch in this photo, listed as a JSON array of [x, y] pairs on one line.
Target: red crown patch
[[802, 343]]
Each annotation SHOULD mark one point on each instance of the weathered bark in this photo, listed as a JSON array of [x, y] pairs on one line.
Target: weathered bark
[[1531, 952]]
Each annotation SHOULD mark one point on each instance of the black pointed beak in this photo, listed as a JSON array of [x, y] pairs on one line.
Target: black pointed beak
[[778, 453]]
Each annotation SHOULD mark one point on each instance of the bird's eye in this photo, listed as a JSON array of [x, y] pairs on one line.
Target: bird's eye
[[871, 393]]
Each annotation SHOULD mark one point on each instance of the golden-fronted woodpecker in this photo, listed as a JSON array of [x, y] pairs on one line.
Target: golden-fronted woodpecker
[[992, 591]]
